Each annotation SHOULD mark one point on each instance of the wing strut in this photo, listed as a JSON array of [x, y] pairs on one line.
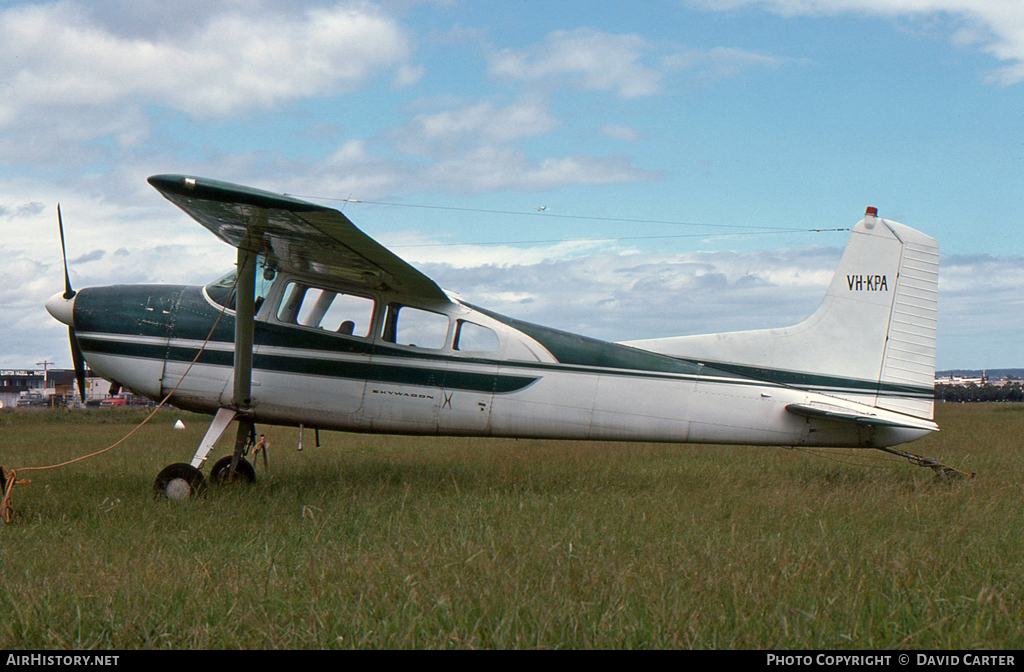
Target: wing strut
[[245, 298], [245, 301]]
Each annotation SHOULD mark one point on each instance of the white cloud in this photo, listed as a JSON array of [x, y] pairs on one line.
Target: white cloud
[[477, 124], [626, 65], [469, 147], [358, 168], [492, 168], [585, 58], [408, 75], [420, 249], [997, 26], [981, 311], [58, 63], [720, 62], [625, 295]]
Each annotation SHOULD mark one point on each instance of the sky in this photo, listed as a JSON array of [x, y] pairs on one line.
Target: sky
[[621, 170]]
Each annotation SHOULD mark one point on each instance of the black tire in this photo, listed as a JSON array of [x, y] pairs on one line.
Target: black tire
[[244, 472], [179, 481]]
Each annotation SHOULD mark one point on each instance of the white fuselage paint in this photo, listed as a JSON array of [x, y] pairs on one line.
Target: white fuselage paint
[[564, 402]]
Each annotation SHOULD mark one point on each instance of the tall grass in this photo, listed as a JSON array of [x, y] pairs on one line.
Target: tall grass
[[378, 541]]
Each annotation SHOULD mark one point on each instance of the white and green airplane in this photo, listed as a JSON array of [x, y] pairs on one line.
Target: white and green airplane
[[320, 326]]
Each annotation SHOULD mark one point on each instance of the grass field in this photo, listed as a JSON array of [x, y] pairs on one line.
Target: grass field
[[379, 541]]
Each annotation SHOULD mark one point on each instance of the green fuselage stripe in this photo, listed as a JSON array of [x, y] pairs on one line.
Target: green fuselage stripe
[[313, 366], [179, 314]]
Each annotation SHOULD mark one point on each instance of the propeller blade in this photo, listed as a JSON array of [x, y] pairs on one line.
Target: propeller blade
[[79, 361], [76, 349], [68, 292]]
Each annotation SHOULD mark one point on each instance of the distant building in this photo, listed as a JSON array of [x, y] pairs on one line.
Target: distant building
[[62, 382], [961, 381], [976, 380], [96, 388], [16, 382]]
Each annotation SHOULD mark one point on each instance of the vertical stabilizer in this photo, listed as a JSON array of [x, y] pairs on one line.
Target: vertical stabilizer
[[872, 340]]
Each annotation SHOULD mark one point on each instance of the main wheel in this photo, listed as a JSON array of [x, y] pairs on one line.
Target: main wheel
[[179, 481], [244, 471]]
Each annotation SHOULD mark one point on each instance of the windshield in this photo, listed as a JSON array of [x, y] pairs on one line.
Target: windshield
[[222, 290]]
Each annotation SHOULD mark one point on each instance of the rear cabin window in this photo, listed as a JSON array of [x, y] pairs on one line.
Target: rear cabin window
[[472, 337], [404, 325], [336, 312]]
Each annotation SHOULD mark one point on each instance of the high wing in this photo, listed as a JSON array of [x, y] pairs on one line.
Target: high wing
[[294, 235]]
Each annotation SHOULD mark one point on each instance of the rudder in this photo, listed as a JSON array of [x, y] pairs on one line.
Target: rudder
[[909, 360]]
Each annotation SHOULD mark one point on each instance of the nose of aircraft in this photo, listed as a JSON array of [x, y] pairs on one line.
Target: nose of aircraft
[[62, 309]]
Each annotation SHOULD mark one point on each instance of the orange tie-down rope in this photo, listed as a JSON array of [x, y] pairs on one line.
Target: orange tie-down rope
[[10, 477]]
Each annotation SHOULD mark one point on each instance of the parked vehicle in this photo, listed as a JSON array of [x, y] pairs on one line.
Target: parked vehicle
[[32, 401], [114, 402], [127, 400]]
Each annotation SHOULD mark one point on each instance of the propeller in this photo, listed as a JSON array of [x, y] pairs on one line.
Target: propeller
[[76, 351]]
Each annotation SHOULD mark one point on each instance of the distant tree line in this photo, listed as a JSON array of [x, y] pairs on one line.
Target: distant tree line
[[1008, 391]]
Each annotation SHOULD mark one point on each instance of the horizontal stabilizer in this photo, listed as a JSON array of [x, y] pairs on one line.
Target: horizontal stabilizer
[[844, 414]]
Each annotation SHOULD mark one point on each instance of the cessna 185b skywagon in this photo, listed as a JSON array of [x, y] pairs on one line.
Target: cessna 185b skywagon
[[321, 326]]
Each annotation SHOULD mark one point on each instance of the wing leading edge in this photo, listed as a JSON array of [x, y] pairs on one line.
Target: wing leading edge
[[296, 236]]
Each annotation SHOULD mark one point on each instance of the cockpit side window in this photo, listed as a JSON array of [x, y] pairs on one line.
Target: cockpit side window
[[222, 290], [316, 308]]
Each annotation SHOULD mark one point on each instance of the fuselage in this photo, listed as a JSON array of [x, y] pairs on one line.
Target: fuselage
[[451, 368]]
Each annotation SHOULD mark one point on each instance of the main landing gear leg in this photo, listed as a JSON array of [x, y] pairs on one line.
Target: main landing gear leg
[[181, 481], [236, 469]]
